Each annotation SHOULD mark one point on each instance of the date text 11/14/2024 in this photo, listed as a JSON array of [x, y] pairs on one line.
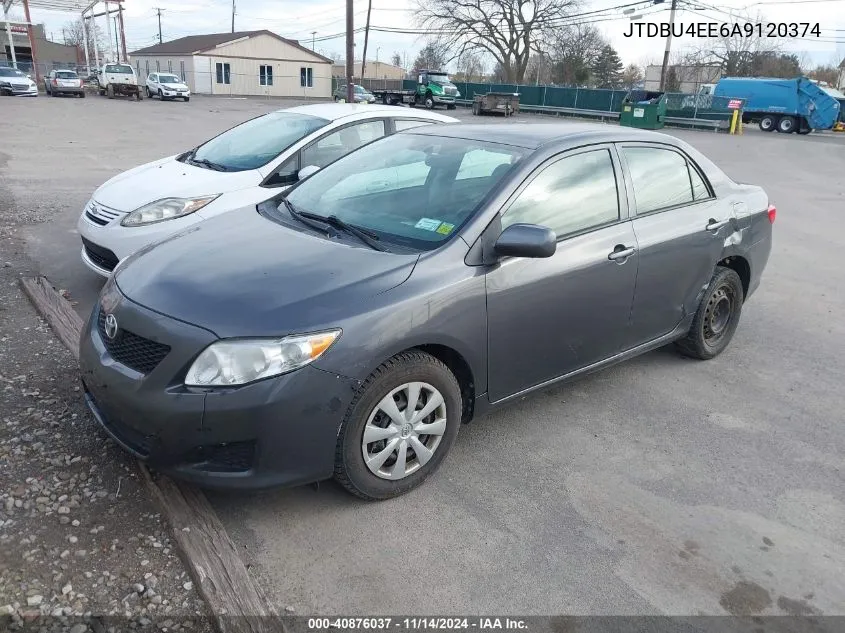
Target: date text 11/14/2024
[[707, 30], [416, 624]]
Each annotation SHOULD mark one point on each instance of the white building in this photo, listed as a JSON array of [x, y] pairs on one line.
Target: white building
[[241, 63]]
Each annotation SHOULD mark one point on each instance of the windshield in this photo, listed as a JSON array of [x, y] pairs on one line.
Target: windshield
[[361, 90], [119, 69], [169, 79], [258, 141], [443, 80], [413, 190], [67, 74], [11, 72]]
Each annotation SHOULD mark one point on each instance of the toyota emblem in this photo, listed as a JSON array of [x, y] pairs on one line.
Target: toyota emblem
[[110, 326]]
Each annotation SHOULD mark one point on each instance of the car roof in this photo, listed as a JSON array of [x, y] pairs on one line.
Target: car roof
[[534, 135], [334, 111]]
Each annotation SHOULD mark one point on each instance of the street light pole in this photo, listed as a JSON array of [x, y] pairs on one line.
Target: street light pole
[[313, 34]]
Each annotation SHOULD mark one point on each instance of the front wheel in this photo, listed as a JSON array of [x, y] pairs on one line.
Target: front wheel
[[187, 99], [429, 101], [82, 95], [717, 317], [451, 106], [399, 427], [110, 91]]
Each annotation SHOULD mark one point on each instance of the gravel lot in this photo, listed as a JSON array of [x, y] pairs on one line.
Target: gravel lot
[[661, 486]]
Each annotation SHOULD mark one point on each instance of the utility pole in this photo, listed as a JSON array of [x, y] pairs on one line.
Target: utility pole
[[366, 40], [350, 53], [159, 22], [116, 41], [233, 16], [668, 45], [122, 32], [313, 33]]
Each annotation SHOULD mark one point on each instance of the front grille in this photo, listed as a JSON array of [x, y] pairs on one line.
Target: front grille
[[450, 91], [136, 352], [102, 257], [100, 214], [234, 457]]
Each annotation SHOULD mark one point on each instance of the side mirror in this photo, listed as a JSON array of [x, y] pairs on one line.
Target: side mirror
[[526, 240], [307, 171]]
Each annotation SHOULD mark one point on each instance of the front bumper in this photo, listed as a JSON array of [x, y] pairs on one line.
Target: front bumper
[[174, 93], [443, 99], [20, 91], [279, 431]]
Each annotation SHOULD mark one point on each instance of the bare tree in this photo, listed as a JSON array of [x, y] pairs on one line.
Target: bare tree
[[827, 74], [396, 59], [574, 50], [470, 67], [508, 30], [73, 34], [631, 76], [433, 56]]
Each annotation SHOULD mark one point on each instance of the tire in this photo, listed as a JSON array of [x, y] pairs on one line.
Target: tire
[[149, 92], [805, 130], [451, 106], [160, 95], [110, 91], [476, 108], [723, 292], [385, 99], [429, 101], [187, 99], [787, 125], [139, 95], [393, 377], [336, 99], [768, 123], [81, 95]]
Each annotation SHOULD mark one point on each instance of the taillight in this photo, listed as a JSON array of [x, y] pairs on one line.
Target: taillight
[[773, 212], [55, 82]]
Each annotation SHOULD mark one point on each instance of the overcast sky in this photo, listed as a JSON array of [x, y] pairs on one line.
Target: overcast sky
[[298, 18]]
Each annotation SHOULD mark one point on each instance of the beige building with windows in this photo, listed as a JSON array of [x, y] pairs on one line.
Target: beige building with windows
[[242, 63], [374, 70]]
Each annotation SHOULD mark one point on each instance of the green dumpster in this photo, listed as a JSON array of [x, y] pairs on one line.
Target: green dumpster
[[643, 109]]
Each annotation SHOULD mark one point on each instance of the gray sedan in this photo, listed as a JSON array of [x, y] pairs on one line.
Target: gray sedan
[[347, 327], [362, 95]]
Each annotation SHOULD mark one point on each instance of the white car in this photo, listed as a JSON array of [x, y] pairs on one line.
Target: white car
[[167, 86], [239, 168], [13, 82]]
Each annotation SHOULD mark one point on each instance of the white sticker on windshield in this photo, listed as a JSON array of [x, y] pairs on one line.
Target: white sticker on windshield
[[427, 224]]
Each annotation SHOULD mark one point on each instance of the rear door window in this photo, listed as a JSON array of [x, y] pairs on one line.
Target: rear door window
[[662, 178], [339, 143]]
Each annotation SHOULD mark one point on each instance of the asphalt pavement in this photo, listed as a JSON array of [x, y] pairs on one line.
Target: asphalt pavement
[[660, 486]]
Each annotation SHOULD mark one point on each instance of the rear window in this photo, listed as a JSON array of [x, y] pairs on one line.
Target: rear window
[[119, 69], [662, 178], [67, 74]]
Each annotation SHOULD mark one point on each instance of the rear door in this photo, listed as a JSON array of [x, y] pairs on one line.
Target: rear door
[[681, 230], [549, 317]]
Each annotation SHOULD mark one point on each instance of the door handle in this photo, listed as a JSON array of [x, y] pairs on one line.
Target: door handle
[[621, 253], [715, 225]]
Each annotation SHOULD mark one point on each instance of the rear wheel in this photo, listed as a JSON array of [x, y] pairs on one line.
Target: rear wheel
[[110, 91], [149, 93], [768, 123], [385, 99], [139, 95], [717, 316], [787, 125], [399, 427], [476, 108], [82, 95]]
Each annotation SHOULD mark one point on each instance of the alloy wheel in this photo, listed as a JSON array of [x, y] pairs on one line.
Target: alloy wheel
[[403, 430]]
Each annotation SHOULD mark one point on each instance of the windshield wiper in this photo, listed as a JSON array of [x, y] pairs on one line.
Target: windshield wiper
[[369, 238], [306, 218], [207, 163]]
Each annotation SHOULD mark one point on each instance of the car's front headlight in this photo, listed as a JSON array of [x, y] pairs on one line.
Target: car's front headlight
[[240, 361], [165, 209]]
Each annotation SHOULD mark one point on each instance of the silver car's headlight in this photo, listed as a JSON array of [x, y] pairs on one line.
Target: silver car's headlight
[[165, 209], [240, 361]]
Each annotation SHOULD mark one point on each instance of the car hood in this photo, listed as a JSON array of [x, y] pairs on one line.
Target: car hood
[[241, 274], [169, 178], [175, 86]]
